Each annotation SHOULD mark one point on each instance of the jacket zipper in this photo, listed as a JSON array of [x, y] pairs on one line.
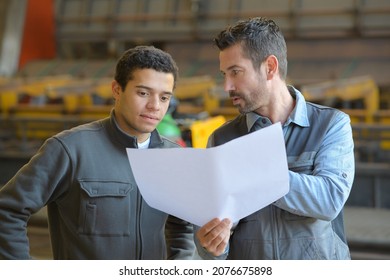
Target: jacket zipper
[[274, 217], [138, 241], [275, 232]]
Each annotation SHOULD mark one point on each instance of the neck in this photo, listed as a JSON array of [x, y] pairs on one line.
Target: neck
[[280, 106]]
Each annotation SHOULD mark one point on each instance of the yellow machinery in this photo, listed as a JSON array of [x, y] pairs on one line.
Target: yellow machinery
[[371, 125], [347, 90], [202, 94], [38, 108], [201, 130], [196, 94]]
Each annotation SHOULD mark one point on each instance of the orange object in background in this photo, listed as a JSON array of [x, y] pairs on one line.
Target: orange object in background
[[39, 32]]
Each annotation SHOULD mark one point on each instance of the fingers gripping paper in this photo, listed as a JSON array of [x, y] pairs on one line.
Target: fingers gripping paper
[[232, 181]]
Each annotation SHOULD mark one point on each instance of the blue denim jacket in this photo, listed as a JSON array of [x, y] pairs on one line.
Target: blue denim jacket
[[307, 222]]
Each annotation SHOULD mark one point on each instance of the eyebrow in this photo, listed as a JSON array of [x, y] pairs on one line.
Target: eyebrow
[[230, 68], [151, 89]]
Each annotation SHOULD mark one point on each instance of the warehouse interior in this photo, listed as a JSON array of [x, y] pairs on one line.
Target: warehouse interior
[[58, 57]]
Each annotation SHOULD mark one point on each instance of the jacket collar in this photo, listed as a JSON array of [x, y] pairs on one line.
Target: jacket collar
[[126, 139], [297, 116]]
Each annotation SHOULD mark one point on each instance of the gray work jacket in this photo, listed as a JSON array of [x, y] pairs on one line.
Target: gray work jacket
[[95, 209], [307, 223]]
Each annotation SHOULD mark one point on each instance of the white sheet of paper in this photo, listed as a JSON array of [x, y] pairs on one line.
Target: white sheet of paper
[[232, 180]]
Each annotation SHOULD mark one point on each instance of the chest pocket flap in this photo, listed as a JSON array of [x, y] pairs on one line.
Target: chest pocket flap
[[304, 163], [105, 188]]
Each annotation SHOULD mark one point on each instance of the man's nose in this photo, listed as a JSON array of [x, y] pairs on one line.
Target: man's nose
[[154, 103], [228, 85]]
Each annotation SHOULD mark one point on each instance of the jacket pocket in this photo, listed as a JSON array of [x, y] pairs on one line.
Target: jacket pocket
[[105, 208], [304, 163]]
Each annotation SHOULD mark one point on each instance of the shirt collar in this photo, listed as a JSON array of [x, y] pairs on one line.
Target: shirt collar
[[297, 116]]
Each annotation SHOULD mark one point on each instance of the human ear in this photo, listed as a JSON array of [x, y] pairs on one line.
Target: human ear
[[272, 65], [116, 89]]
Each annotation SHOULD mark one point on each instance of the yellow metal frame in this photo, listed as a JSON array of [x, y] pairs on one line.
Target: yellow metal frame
[[347, 90]]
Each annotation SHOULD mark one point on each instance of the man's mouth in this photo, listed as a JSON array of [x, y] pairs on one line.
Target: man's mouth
[[149, 117], [235, 98]]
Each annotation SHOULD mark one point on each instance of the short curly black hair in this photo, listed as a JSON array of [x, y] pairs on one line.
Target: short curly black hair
[[144, 57]]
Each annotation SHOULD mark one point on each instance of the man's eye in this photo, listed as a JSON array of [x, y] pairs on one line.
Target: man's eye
[[142, 93], [165, 98], [235, 72]]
